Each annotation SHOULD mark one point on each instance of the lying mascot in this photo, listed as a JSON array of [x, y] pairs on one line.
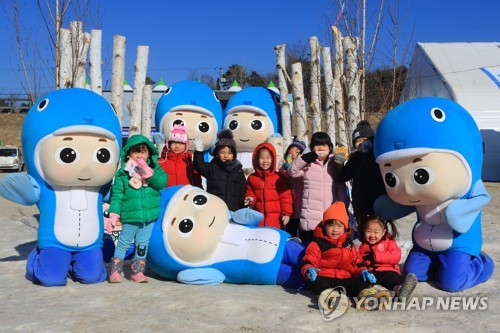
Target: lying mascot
[[72, 141], [197, 240], [430, 155]]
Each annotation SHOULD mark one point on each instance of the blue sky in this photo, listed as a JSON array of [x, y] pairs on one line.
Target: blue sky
[[198, 35]]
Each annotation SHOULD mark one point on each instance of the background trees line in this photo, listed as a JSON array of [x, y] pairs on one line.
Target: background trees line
[[380, 87]]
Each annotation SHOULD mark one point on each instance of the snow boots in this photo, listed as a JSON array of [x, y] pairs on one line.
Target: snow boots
[[138, 268], [115, 270]]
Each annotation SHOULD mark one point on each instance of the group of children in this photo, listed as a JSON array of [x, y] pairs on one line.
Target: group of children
[[307, 197]]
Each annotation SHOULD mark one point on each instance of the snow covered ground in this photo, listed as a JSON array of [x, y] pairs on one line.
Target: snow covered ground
[[166, 306]]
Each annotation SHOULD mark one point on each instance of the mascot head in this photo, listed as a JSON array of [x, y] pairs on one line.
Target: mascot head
[[194, 105], [188, 230], [429, 151], [71, 137], [253, 114]]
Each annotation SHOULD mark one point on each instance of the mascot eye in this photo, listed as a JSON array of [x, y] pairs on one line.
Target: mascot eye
[[423, 176], [200, 200], [438, 115], [186, 226], [169, 89], [102, 155], [233, 125], [67, 155], [391, 179], [178, 122], [43, 105], [277, 99], [257, 125], [203, 127]]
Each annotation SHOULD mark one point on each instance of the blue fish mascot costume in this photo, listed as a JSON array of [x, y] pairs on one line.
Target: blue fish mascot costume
[[430, 154], [72, 141], [197, 240], [252, 114], [194, 105]]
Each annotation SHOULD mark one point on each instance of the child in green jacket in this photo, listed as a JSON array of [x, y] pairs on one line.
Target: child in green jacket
[[135, 201]]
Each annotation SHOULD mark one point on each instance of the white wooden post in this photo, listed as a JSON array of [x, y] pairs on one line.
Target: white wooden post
[[338, 84], [286, 123], [315, 84], [134, 106], [299, 103], [80, 41], [147, 93], [95, 61], [352, 80], [65, 62], [329, 94], [118, 75]]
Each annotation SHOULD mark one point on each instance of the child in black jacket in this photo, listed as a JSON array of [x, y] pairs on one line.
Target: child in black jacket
[[224, 173]]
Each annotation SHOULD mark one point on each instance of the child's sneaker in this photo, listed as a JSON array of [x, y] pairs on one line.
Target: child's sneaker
[[366, 299], [115, 270], [331, 299], [138, 267], [407, 287]]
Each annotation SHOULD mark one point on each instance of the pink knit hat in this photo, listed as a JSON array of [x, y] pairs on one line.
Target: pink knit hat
[[179, 134]]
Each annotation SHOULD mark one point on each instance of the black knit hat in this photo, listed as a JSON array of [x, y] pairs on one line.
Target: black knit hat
[[363, 129], [225, 139]]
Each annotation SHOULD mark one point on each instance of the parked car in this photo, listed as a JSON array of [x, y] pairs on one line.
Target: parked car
[[11, 158], [6, 110]]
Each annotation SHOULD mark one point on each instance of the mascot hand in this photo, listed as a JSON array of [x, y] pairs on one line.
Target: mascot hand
[[20, 188], [198, 143], [462, 213], [368, 277], [247, 216], [113, 220], [388, 209], [201, 276], [312, 273], [143, 169]]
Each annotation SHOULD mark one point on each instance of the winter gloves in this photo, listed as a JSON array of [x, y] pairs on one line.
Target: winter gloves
[[198, 143], [309, 157]]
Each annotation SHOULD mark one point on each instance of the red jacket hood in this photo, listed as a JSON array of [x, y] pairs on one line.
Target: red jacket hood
[[255, 162]]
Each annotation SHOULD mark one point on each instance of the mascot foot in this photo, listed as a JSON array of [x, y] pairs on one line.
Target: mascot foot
[[116, 270], [138, 267]]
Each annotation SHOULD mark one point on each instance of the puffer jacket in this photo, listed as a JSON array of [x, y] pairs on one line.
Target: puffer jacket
[[297, 188], [336, 258], [386, 254], [270, 191], [140, 205], [225, 180], [179, 168], [320, 189]]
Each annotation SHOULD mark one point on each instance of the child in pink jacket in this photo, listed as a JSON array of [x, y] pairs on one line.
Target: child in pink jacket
[[320, 188]]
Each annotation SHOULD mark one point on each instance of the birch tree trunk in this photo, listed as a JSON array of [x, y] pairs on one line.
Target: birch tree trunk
[[339, 92], [330, 94], [65, 63], [80, 41], [118, 75], [95, 61], [352, 80], [286, 123], [299, 104], [147, 93], [134, 106], [315, 84]]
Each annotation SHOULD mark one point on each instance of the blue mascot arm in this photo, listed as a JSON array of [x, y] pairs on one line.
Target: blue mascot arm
[[247, 216], [461, 213], [209, 276], [20, 188], [388, 209]]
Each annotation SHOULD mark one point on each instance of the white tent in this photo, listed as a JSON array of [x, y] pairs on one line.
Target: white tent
[[469, 74]]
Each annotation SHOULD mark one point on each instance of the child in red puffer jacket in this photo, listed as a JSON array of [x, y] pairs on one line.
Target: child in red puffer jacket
[[268, 191]]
